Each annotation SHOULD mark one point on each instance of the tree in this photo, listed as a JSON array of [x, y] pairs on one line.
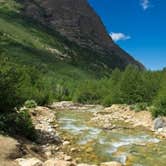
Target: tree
[[111, 95], [10, 78], [160, 100], [131, 86]]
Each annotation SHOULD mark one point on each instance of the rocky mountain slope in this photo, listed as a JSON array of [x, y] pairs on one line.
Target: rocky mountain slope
[[76, 20]]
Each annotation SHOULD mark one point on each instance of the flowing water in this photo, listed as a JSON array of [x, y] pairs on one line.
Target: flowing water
[[132, 147]]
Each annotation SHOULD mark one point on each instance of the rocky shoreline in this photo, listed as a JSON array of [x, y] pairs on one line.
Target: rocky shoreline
[[50, 148], [134, 119]]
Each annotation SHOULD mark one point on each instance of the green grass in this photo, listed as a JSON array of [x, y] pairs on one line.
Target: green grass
[[28, 43]]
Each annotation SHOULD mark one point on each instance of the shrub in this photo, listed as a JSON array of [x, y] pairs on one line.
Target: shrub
[[159, 108], [160, 100], [139, 107], [131, 86], [10, 78], [155, 111], [30, 104], [18, 123], [87, 97], [88, 92]]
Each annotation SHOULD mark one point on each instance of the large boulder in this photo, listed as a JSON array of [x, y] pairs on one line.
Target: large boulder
[[10, 150], [112, 163], [159, 123]]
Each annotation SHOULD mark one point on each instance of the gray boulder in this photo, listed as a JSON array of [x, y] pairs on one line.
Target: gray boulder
[[159, 123]]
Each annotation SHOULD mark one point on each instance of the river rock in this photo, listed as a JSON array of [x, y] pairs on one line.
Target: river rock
[[56, 162], [66, 143], [82, 164], [73, 150], [159, 123], [29, 162], [68, 158], [112, 163]]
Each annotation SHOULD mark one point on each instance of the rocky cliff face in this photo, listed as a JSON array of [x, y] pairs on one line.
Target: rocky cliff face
[[77, 20]]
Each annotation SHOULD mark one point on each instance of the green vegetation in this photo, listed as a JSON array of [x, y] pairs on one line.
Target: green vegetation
[[30, 104], [13, 121], [38, 66], [17, 123], [35, 64], [10, 78], [140, 89], [139, 107], [160, 100]]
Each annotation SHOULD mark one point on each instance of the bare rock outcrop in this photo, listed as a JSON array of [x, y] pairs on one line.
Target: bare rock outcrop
[[76, 20]]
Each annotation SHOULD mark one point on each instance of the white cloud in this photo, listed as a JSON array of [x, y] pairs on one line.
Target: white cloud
[[119, 36], [145, 4]]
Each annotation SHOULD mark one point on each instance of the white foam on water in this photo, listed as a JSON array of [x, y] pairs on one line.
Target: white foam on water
[[67, 119], [74, 129], [91, 135], [135, 140]]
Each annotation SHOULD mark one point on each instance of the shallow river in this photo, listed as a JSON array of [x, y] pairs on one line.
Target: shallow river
[[131, 147]]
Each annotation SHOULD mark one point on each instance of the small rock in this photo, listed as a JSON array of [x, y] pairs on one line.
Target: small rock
[[48, 153], [68, 158], [55, 126], [73, 150], [112, 163], [90, 149], [50, 129], [66, 143], [78, 159], [82, 164], [57, 148], [56, 162], [29, 162]]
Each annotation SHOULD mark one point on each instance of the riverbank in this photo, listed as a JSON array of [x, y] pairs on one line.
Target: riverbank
[[49, 149], [124, 113], [54, 148]]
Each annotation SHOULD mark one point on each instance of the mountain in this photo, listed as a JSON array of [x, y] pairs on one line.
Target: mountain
[[76, 20], [63, 39]]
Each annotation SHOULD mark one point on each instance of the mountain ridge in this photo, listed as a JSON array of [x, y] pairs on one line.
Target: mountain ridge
[[78, 22]]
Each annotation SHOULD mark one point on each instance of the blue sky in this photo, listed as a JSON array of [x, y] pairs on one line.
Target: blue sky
[[138, 26]]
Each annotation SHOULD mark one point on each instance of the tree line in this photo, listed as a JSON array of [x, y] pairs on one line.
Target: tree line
[[21, 83]]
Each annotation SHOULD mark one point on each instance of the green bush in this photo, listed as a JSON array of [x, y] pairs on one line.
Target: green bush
[[10, 79], [18, 123], [139, 107], [111, 98], [88, 92], [159, 108], [155, 111], [159, 102], [30, 104]]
